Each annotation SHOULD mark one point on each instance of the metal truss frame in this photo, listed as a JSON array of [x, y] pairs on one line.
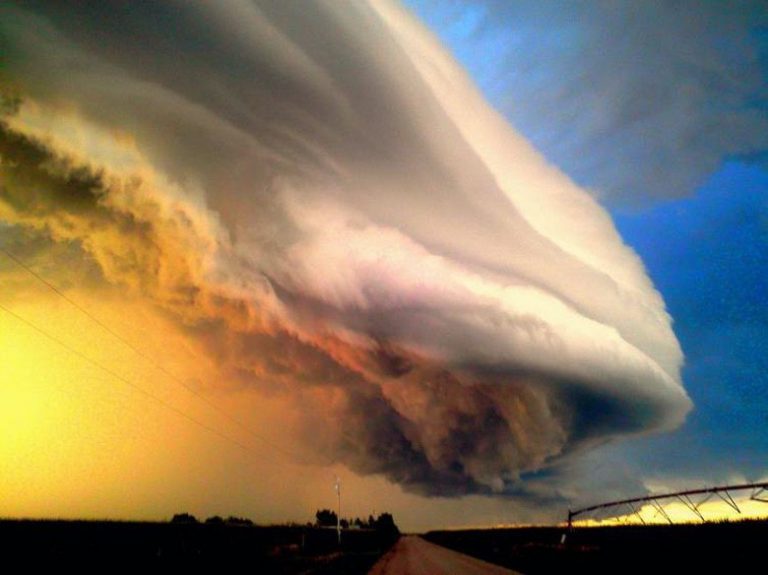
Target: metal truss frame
[[759, 493]]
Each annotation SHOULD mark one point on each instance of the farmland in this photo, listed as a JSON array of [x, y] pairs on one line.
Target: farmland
[[700, 548], [272, 549]]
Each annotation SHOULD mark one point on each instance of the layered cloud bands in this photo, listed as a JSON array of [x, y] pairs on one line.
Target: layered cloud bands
[[318, 192]]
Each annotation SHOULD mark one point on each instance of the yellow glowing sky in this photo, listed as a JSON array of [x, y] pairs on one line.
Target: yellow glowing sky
[[78, 442], [712, 510]]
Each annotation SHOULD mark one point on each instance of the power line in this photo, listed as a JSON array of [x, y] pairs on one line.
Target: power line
[[153, 397], [148, 394], [140, 353], [126, 381]]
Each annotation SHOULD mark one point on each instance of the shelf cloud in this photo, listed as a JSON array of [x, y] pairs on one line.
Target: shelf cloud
[[320, 194]]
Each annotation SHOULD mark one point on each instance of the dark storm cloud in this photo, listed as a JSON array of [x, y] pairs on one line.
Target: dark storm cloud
[[318, 192]]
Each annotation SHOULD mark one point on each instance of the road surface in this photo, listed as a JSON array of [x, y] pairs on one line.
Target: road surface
[[415, 556]]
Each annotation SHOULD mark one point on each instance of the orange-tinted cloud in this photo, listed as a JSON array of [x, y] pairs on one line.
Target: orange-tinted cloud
[[344, 222]]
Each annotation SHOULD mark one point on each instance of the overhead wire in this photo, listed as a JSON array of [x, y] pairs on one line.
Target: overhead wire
[[294, 459], [148, 394], [125, 380], [142, 354]]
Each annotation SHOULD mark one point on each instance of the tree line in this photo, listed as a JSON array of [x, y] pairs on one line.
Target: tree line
[[215, 520], [384, 522]]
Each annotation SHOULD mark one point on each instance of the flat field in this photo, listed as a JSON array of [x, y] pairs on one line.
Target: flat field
[[279, 549], [732, 547]]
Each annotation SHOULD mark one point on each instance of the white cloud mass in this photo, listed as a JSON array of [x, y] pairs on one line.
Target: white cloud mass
[[320, 192]]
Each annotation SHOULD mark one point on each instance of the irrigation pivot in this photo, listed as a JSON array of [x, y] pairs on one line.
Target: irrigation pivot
[[759, 492]]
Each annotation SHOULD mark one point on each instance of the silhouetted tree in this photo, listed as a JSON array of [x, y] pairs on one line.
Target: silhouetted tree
[[386, 529], [184, 518], [215, 520], [232, 520], [386, 523], [344, 523], [326, 517]]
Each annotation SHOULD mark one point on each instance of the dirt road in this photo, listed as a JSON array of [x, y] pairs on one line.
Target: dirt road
[[415, 556]]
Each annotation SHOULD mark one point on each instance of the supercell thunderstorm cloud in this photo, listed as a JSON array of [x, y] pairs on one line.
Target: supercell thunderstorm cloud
[[319, 193]]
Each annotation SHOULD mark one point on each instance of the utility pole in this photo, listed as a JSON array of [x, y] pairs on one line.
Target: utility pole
[[338, 515]]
